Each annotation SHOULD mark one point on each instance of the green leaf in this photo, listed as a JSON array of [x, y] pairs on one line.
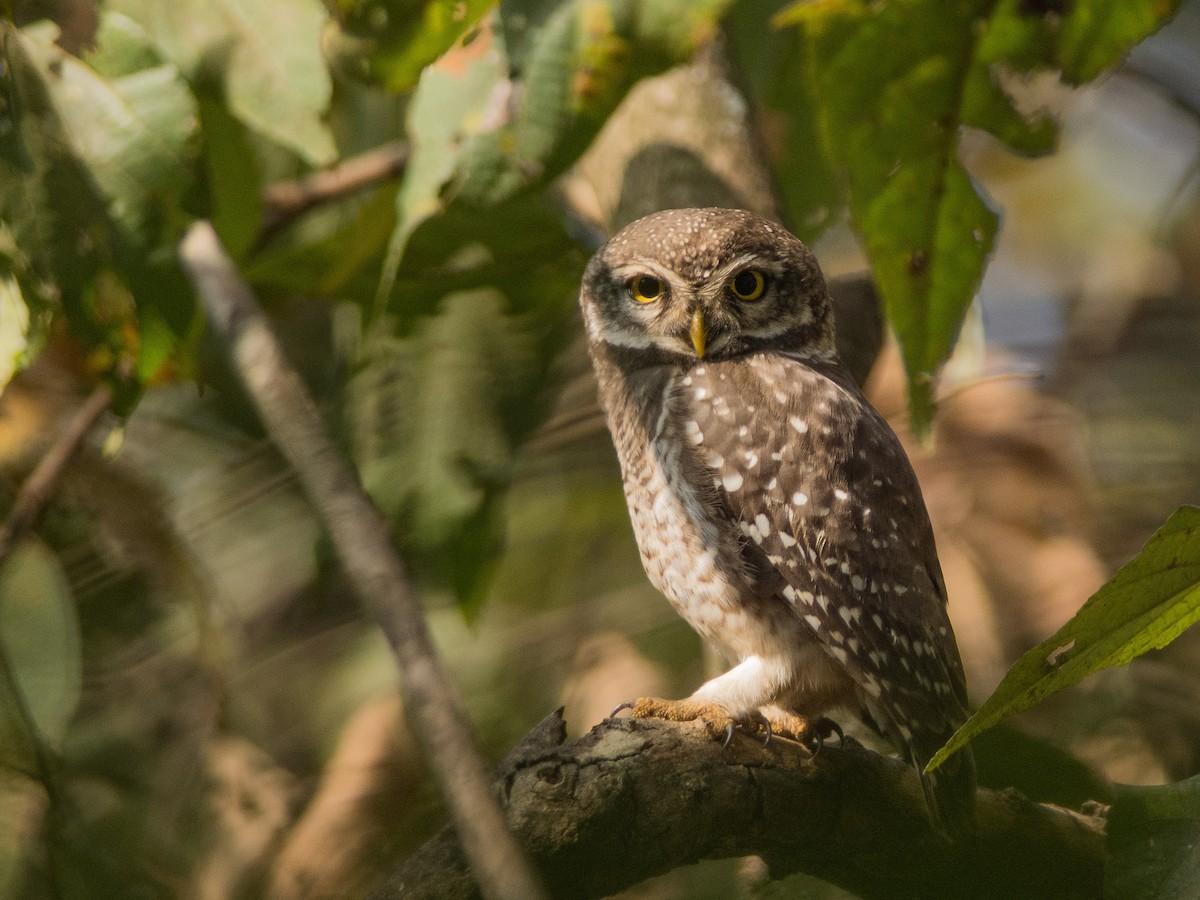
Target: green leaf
[[1097, 34], [776, 71], [895, 83], [1145, 606], [1153, 842], [1008, 758], [14, 327], [399, 44], [433, 424], [481, 137], [39, 639], [234, 181], [92, 189], [266, 55], [131, 129], [333, 251]]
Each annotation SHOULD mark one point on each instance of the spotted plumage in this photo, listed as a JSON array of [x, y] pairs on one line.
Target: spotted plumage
[[772, 505]]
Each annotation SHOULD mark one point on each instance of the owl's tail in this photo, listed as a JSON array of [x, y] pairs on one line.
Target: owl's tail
[[950, 794]]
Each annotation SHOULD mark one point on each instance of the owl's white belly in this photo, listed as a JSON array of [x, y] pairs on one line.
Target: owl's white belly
[[696, 561]]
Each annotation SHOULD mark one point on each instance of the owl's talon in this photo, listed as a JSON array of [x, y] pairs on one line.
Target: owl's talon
[[628, 704], [829, 728], [721, 724], [820, 731]]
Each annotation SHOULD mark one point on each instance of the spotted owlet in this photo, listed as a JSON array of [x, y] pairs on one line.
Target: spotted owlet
[[771, 503]]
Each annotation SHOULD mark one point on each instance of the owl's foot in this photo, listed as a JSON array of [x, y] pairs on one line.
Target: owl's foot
[[812, 733], [718, 719]]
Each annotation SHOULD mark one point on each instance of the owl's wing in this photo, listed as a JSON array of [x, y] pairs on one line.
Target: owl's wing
[[833, 523]]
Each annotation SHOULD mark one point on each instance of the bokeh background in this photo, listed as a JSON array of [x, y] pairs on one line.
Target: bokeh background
[[231, 722]]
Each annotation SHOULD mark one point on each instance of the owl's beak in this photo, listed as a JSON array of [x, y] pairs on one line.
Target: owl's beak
[[698, 333]]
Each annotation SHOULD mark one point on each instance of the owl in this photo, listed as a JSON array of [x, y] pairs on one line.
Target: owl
[[772, 505]]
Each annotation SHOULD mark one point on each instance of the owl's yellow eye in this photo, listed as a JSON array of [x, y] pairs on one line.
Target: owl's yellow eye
[[748, 284], [646, 289]]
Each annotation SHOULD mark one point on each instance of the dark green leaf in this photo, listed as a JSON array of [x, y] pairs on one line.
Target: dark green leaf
[[1145, 606], [1008, 758], [234, 182], [335, 250], [776, 71], [895, 83], [1154, 843]]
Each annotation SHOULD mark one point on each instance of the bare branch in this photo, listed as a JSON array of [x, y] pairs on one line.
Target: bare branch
[[636, 798], [40, 485], [364, 548], [286, 200]]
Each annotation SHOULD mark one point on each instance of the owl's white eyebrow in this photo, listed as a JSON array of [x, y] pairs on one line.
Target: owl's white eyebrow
[[641, 267], [748, 260]]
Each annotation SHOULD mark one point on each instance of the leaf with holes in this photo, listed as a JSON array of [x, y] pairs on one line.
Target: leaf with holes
[[379, 42], [895, 84]]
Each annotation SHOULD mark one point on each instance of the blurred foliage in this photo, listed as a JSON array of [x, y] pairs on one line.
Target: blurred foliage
[[429, 314], [1153, 833]]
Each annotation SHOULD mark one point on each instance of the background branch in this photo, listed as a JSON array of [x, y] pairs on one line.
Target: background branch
[[364, 548], [285, 200], [636, 798], [40, 485]]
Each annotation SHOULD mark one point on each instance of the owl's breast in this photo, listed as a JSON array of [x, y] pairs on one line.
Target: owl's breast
[[690, 549]]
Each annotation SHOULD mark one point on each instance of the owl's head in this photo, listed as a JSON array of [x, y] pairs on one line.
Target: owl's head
[[709, 283]]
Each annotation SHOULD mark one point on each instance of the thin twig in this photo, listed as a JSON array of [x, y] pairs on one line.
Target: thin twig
[[364, 548], [286, 200], [38, 488]]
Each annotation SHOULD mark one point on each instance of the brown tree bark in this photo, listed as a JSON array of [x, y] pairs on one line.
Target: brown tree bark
[[636, 798]]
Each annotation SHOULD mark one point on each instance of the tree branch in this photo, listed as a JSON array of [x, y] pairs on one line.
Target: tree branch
[[636, 798], [40, 485], [364, 548], [286, 200]]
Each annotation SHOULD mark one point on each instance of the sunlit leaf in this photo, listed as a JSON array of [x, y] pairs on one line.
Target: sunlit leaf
[[1145, 606], [14, 327], [266, 55], [397, 43], [1153, 842], [39, 637], [1097, 34]]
